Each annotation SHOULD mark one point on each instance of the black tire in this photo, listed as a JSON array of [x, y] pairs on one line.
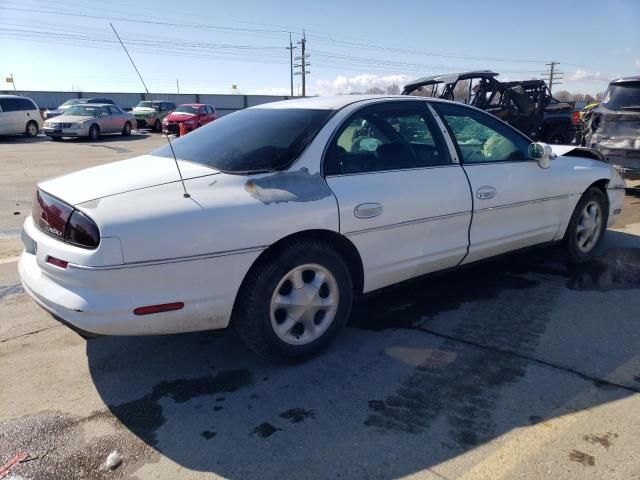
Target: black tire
[[157, 127], [126, 131], [252, 314], [31, 129], [94, 133], [576, 254]]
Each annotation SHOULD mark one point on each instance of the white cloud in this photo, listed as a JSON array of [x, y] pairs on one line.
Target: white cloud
[[357, 83], [580, 75]]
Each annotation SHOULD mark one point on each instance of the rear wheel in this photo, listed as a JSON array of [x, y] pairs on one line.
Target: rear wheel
[[291, 306], [587, 226], [126, 131], [32, 129], [94, 133]]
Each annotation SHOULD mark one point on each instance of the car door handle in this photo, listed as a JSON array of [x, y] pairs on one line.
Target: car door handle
[[367, 210], [485, 193]]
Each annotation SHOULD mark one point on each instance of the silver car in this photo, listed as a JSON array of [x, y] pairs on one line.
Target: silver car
[[89, 120]]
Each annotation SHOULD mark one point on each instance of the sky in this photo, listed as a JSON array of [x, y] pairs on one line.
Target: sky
[[204, 46]]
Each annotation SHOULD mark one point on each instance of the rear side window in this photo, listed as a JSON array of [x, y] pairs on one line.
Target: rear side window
[[623, 96], [16, 104], [250, 140]]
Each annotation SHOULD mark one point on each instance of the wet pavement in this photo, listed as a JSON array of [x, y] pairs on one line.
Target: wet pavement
[[511, 368]]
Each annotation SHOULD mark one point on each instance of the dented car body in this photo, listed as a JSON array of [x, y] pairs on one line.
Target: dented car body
[[388, 188], [614, 125]]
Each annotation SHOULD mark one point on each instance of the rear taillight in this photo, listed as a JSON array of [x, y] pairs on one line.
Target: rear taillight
[[62, 221], [82, 231], [575, 118], [50, 214]]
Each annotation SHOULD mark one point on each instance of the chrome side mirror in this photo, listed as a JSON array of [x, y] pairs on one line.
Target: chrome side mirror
[[542, 153]]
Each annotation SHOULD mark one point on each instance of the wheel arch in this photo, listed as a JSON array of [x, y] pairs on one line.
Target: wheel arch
[[342, 244]]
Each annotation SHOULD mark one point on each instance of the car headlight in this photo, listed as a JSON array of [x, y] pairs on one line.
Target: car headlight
[[76, 126]]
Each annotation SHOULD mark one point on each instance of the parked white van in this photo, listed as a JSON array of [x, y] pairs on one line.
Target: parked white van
[[19, 115]]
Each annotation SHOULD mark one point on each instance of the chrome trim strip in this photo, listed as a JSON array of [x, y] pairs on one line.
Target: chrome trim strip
[[517, 204], [164, 261], [448, 165], [408, 222], [453, 153]]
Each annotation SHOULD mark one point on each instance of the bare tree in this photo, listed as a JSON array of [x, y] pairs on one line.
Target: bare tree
[[563, 96], [393, 89]]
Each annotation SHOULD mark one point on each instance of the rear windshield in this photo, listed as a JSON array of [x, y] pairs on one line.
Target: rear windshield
[[250, 140], [148, 105], [623, 96], [186, 109]]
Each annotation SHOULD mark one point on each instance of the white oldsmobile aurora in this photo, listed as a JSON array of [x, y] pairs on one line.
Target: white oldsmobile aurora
[[294, 209]]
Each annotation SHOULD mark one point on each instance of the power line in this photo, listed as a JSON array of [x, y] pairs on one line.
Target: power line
[[554, 75]]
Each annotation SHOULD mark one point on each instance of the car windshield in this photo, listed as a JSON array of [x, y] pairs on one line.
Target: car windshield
[[73, 101], [83, 110], [186, 109], [250, 140], [148, 105], [623, 96]]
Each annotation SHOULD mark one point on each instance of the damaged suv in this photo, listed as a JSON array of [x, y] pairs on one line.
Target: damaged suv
[[614, 127]]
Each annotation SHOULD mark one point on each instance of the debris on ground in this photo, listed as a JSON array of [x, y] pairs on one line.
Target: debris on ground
[[113, 460], [12, 462]]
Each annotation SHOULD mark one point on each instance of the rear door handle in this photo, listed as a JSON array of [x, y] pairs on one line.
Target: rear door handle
[[486, 192], [367, 210]]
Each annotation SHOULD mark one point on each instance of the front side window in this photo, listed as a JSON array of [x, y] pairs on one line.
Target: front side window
[[387, 138], [115, 111], [482, 138], [256, 139]]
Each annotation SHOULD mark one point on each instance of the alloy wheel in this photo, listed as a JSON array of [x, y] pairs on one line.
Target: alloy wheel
[[304, 304], [589, 227]]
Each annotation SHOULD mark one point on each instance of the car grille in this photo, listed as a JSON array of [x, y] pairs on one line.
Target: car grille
[[173, 127], [58, 126]]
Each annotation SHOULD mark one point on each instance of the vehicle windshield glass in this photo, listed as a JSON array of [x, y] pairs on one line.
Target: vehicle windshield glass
[[250, 140], [186, 109], [73, 101], [83, 110], [147, 105], [622, 96]]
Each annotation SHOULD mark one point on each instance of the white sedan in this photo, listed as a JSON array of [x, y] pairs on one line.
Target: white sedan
[[290, 210]]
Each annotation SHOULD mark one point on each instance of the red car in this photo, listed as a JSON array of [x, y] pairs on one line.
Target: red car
[[192, 115]]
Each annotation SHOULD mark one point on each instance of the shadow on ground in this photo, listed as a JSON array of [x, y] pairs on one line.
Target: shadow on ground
[[393, 396]]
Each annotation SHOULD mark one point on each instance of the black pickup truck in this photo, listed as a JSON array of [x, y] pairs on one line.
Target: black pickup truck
[[527, 105]]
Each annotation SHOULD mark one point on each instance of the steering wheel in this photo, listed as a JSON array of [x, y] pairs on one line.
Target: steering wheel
[[365, 144]]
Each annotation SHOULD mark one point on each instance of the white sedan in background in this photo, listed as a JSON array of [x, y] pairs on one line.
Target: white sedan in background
[[293, 209]]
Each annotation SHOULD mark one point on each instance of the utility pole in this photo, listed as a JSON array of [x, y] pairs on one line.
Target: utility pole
[[11, 80], [554, 75], [290, 48], [303, 63], [178, 86]]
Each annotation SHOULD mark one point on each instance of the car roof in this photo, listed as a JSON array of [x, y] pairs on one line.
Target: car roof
[[95, 105], [335, 102], [13, 96], [450, 78], [635, 78], [193, 104]]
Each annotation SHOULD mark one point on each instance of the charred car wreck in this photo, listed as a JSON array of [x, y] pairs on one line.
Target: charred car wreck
[[527, 105]]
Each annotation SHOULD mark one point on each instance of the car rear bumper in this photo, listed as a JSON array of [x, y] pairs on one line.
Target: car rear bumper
[[102, 300], [616, 202]]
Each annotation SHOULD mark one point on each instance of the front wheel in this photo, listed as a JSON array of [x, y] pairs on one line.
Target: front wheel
[[587, 226], [126, 131], [157, 126], [291, 306], [94, 133], [32, 129]]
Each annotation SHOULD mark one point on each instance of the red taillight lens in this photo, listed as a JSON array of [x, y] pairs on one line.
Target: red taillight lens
[[575, 118], [165, 307], [82, 231], [57, 262], [50, 214]]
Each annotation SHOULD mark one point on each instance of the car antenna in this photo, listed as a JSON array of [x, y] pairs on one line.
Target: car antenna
[[186, 195]]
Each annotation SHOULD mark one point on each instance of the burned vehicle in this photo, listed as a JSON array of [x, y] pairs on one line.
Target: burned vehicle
[[527, 105], [614, 127]]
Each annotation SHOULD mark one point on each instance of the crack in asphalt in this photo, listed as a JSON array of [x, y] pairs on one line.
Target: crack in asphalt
[[29, 333], [540, 361]]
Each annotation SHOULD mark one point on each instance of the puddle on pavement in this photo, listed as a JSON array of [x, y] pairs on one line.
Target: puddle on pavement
[[144, 415], [407, 305]]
